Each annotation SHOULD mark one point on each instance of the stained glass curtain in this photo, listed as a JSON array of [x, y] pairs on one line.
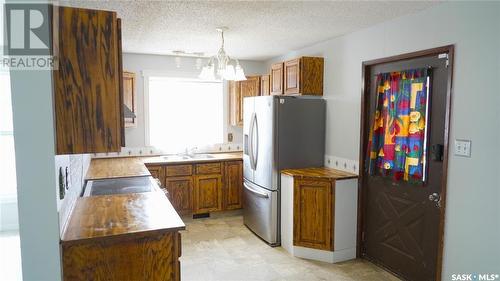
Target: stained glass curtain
[[398, 136]]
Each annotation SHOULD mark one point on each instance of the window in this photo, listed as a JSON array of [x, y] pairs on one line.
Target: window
[[7, 155], [184, 113]]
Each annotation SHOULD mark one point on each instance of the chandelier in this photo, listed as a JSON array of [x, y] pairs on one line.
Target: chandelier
[[224, 70]]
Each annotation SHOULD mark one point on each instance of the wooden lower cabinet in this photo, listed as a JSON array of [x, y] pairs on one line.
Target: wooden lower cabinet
[[180, 191], [202, 187], [233, 185], [157, 173], [133, 257], [313, 214], [207, 193]]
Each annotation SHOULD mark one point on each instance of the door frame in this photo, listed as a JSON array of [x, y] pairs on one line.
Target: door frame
[[365, 106]]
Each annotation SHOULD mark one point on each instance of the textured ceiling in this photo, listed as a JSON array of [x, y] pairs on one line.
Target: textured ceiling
[[258, 30]]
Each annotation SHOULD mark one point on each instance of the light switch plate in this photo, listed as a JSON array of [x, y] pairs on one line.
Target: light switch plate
[[462, 148]]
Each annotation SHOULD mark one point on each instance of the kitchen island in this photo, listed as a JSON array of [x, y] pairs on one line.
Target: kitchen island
[[122, 237], [132, 236]]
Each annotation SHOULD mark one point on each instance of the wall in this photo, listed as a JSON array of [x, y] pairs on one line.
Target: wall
[[472, 214], [37, 199], [77, 165], [134, 137]]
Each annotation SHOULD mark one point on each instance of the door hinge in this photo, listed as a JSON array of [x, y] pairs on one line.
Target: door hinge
[[444, 56], [363, 236]]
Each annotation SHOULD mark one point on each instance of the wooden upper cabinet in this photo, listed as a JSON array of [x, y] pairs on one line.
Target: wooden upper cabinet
[[265, 89], [233, 185], [313, 213], [238, 90], [88, 94], [304, 76], [292, 78], [129, 97], [276, 78]]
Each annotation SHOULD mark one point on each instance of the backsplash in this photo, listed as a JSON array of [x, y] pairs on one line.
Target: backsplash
[[152, 151], [343, 164], [70, 183]]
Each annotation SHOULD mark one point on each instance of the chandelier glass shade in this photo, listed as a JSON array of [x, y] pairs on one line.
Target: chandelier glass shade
[[225, 69]]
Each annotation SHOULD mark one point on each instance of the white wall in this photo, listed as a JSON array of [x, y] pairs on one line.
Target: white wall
[[472, 214], [77, 165], [37, 199], [134, 137]]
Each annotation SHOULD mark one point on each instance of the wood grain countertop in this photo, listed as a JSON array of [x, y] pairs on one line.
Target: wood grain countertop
[[321, 172], [121, 167], [120, 215], [215, 157], [106, 168]]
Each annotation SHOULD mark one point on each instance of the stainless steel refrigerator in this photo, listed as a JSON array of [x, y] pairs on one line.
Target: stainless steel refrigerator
[[279, 132]]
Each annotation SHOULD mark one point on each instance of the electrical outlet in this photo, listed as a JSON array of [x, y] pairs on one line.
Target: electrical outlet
[[230, 137], [462, 148]]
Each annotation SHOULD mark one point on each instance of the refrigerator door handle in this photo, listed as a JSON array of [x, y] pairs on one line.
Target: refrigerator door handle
[[256, 156], [250, 142], [260, 194]]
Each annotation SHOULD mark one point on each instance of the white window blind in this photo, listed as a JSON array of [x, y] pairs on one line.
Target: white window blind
[[184, 113]]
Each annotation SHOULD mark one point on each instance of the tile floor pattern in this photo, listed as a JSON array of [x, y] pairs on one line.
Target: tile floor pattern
[[222, 248]]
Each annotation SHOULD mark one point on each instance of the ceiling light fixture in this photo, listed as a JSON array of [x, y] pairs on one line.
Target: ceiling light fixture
[[225, 70]]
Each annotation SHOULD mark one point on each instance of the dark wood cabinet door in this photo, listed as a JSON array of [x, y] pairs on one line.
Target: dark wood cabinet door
[[292, 77], [233, 185], [180, 190], [129, 98], [237, 91], [234, 103], [208, 193], [265, 89], [313, 213], [248, 88], [277, 79], [88, 108]]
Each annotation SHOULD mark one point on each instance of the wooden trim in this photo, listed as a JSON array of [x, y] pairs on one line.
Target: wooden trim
[[365, 92]]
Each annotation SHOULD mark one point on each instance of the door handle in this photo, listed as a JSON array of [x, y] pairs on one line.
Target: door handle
[[260, 194], [250, 142], [253, 153], [256, 156], [436, 198]]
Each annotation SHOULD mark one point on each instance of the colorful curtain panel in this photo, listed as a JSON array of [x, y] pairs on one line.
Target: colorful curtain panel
[[397, 141]]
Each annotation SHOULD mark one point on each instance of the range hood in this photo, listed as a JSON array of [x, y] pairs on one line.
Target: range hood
[[127, 113]]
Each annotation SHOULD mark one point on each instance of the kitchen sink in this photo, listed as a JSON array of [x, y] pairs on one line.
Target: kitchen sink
[[176, 157], [187, 157], [202, 156]]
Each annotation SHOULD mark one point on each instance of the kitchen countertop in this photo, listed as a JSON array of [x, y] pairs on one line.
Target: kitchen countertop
[[321, 172], [106, 168], [120, 215], [159, 160]]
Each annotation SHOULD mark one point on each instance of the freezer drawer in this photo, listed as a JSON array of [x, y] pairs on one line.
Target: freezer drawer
[[261, 213]]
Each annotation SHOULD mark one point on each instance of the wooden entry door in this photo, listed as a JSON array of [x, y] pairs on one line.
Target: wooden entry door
[[401, 226]]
